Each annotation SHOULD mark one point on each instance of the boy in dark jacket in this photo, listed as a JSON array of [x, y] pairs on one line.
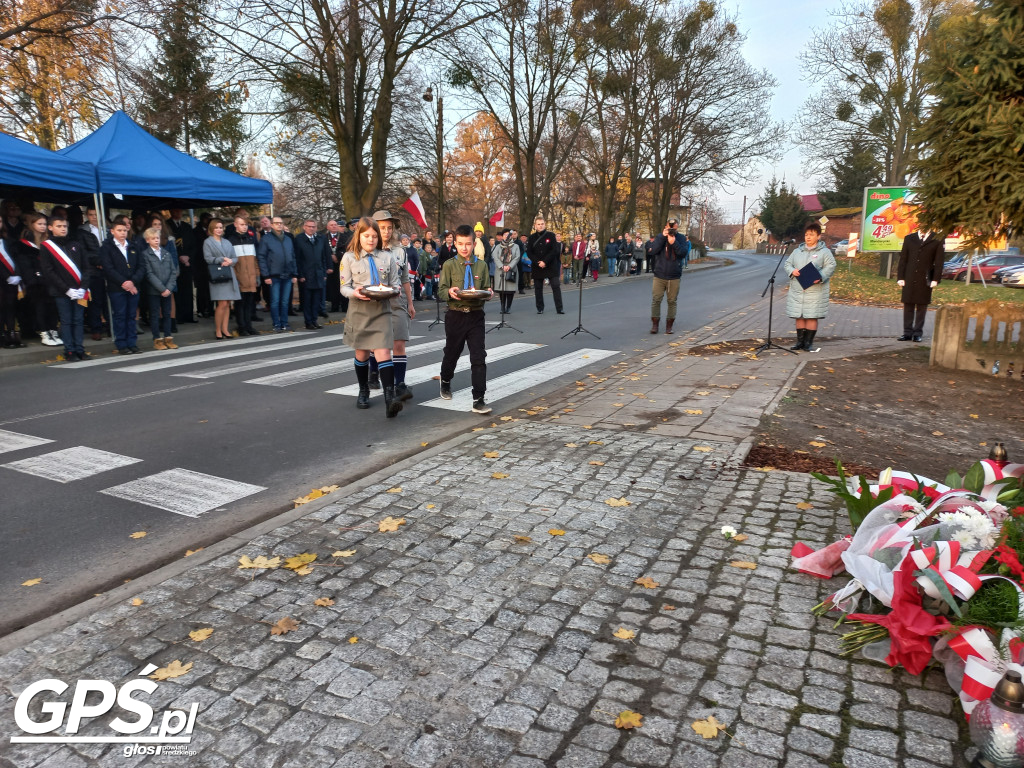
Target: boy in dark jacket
[[125, 272], [66, 273]]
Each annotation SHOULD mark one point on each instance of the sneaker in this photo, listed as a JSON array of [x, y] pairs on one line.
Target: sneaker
[[135, 350], [446, 390], [47, 339], [479, 406]]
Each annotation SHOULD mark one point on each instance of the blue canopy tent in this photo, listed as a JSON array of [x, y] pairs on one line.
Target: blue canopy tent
[[134, 169], [28, 171]]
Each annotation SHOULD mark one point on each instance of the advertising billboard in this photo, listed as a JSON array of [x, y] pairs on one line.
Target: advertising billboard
[[889, 216]]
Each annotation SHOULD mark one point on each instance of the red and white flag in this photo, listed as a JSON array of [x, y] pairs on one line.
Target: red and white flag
[[498, 219], [415, 209]]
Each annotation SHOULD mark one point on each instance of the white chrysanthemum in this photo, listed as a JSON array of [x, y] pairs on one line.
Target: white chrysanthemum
[[971, 527], [728, 531]]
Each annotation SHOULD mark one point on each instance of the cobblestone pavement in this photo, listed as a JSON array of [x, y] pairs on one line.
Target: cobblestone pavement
[[451, 642]]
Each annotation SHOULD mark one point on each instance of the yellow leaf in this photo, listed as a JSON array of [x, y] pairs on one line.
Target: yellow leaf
[[668, 607], [740, 537], [299, 561], [284, 626], [491, 455], [259, 562], [704, 392], [618, 405], [694, 411], [974, 415], [137, 601], [587, 426], [617, 502], [304, 570], [804, 505], [596, 442], [424, 445], [557, 532], [172, 670], [522, 539], [600, 559], [628, 719], [343, 553], [743, 564], [703, 448], [499, 475], [937, 433], [817, 443], [323, 602], [137, 535], [571, 445], [708, 727], [430, 506], [353, 640], [190, 552], [624, 634], [397, 489], [330, 488], [597, 463], [201, 634], [30, 582], [815, 386], [647, 582], [505, 418], [390, 524]]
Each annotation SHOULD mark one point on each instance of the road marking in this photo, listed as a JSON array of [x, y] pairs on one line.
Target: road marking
[[71, 464], [287, 378], [425, 373], [511, 383], [251, 365], [183, 491], [15, 441], [80, 408], [225, 354]]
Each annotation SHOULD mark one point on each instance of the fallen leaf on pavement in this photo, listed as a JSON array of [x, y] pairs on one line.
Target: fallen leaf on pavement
[[396, 489], [743, 564], [353, 640], [284, 626], [817, 443], [557, 532], [708, 727], [522, 539], [974, 415], [628, 719], [424, 445], [740, 537], [804, 505], [137, 535], [201, 634], [704, 392], [190, 552], [668, 607], [600, 559], [390, 524], [617, 502], [937, 433], [343, 553], [172, 670], [597, 463], [703, 448], [694, 411], [259, 562], [618, 405], [596, 442], [500, 475], [30, 582], [571, 445], [298, 562], [137, 601], [323, 602], [491, 455], [316, 493], [587, 426], [646, 582], [505, 418], [304, 570], [624, 634]]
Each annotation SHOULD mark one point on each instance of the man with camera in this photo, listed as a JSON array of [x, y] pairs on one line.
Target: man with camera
[[669, 251]]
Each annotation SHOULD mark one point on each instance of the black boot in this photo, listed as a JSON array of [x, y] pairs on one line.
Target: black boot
[[363, 401], [800, 332], [391, 403], [362, 377], [809, 340], [374, 381]]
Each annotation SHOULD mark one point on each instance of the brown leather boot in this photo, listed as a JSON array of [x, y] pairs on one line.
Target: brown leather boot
[[654, 324], [668, 324]]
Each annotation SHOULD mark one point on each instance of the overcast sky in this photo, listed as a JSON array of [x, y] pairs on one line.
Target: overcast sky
[[775, 36]]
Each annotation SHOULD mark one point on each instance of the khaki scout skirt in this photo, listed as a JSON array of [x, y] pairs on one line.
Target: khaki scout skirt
[[400, 321], [368, 325]]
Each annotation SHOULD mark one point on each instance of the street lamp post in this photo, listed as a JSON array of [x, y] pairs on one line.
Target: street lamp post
[[428, 95]]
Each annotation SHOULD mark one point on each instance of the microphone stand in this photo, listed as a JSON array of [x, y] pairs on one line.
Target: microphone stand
[[579, 325], [437, 304], [503, 324], [770, 290]]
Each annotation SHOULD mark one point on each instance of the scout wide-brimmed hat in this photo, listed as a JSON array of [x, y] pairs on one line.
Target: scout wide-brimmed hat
[[384, 215]]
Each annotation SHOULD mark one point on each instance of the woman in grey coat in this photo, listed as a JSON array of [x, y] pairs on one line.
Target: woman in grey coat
[[505, 256], [217, 250], [808, 305], [161, 283]]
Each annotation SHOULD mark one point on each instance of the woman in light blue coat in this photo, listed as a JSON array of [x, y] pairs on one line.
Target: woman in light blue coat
[[808, 305]]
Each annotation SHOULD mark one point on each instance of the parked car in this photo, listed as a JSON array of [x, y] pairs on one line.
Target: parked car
[[1001, 274], [840, 248], [985, 266], [1015, 280]]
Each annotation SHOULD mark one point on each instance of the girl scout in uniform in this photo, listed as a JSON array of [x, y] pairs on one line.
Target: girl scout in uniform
[[402, 310]]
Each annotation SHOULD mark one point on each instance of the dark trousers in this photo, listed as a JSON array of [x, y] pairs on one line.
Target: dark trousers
[[506, 300], [245, 308], [183, 299], [522, 280], [460, 329], [72, 324], [650, 265], [96, 314], [160, 315], [201, 278], [42, 309], [556, 289], [313, 299], [333, 289], [8, 308], [123, 308], [913, 319]]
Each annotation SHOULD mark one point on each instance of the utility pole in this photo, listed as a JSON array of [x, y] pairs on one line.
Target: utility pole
[[743, 225], [428, 95]]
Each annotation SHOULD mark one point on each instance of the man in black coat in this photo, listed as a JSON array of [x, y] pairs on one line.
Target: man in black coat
[[336, 242], [920, 270], [546, 254], [312, 263], [90, 235], [66, 273], [124, 271], [185, 243], [669, 251]]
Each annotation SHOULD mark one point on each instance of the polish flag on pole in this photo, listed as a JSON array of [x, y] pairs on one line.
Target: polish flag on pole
[[415, 209], [498, 219]]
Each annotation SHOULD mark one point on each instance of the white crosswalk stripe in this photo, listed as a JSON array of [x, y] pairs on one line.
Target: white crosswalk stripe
[[163, 363], [425, 373], [15, 441], [521, 380], [252, 365], [183, 491], [71, 464], [287, 378]]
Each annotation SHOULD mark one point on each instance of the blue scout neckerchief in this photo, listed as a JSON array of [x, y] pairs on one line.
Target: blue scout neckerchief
[[374, 274], [467, 281]]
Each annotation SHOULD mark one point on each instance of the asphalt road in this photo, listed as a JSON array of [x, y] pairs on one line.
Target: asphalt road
[[193, 445]]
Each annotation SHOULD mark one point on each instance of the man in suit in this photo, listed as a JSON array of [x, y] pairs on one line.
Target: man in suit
[[124, 271], [920, 270], [90, 235], [336, 242], [313, 264], [185, 244], [546, 255]]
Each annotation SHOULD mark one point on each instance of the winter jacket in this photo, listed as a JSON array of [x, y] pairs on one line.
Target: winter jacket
[[812, 302], [58, 279], [542, 246], [920, 264], [119, 268], [506, 255], [668, 257], [246, 269], [161, 271], [276, 257]]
